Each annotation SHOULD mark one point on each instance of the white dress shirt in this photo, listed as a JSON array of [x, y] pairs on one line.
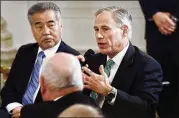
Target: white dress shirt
[[48, 53]]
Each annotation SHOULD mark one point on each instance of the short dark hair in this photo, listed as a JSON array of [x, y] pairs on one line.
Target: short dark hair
[[43, 6]]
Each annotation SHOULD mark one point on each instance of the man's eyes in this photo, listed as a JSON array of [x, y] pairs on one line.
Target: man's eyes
[[96, 29], [41, 26], [51, 25], [104, 29]]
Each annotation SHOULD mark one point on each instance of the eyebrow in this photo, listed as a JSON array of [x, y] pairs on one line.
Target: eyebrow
[[103, 26], [51, 21]]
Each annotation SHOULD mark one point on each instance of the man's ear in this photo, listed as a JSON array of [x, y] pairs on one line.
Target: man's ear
[[124, 30]]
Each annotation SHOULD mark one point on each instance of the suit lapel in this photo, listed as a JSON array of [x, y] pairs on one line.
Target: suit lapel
[[124, 71], [61, 47], [31, 57], [27, 66]]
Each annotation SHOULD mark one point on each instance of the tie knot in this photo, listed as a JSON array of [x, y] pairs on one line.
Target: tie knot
[[108, 66], [110, 63], [41, 55]]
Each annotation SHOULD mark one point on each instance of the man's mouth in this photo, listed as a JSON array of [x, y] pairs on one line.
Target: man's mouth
[[47, 39], [102, 45]]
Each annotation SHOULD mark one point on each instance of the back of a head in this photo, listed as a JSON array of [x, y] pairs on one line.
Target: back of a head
[[80, 110], [62, 71]]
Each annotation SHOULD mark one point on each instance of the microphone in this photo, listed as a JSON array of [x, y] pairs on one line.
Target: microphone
[[89, 53]]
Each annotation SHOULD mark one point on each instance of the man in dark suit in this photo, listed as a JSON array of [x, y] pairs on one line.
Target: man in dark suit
[[61, 86], [45, 21], [162, 41], [130, 84]]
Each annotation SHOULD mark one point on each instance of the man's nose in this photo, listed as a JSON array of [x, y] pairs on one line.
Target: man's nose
[[99, 35], [46, 30]]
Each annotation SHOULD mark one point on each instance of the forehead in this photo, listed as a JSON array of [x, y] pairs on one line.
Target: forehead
[[104, 18], [48, 15]]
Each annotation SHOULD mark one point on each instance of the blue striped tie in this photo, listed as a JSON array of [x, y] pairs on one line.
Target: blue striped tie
[[34, 82]]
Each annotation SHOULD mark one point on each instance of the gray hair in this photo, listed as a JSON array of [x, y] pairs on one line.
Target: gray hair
[[59, 77], [121, 16], [43, 6]]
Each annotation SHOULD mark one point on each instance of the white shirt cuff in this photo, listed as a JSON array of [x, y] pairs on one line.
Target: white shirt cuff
[[13, 105]]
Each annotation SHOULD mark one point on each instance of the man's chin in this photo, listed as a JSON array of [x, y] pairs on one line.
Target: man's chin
[[104, 51], [48, 46]]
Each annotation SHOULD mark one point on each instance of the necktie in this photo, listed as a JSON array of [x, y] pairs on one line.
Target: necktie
[[34, 82], [107, 70], [108, 67]]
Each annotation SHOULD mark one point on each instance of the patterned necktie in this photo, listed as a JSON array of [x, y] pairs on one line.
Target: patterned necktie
[[107, 70], [108, 67], [34, 82]]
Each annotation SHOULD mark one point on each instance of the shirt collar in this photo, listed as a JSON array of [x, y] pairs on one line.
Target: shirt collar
[[118, 58], [51, 51], [57, 98]]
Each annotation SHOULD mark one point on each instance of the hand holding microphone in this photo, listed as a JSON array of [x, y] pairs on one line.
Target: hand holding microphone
[[84, 59]]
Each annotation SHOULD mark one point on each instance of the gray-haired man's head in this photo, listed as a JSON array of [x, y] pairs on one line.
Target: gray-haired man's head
[[43, 6]]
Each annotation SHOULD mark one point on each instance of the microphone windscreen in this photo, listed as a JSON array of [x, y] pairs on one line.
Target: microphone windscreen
[[89, 53]]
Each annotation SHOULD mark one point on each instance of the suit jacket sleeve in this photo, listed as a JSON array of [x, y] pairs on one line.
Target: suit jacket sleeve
[[8, 91], [143, 97]]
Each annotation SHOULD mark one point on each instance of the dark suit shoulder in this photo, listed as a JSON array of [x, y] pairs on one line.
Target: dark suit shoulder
[[68, 49], [36, 110], [51, 109], [145, 58], [27, 48], [29, 45]]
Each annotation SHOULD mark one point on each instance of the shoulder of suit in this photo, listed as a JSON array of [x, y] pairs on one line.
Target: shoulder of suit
[[144, 57], [29, 45], [69, 49]]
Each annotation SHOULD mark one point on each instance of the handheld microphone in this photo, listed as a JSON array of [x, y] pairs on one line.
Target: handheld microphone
[[87, 56]]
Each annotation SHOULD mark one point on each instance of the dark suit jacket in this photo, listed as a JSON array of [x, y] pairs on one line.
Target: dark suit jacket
[[51, 109], [138, 84], [149, 8], [20, 72]]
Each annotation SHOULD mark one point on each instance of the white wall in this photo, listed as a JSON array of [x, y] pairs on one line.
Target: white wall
[[78, 18]]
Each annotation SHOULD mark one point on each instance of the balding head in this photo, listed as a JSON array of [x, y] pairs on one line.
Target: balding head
[[61, 71], [80, 110]]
